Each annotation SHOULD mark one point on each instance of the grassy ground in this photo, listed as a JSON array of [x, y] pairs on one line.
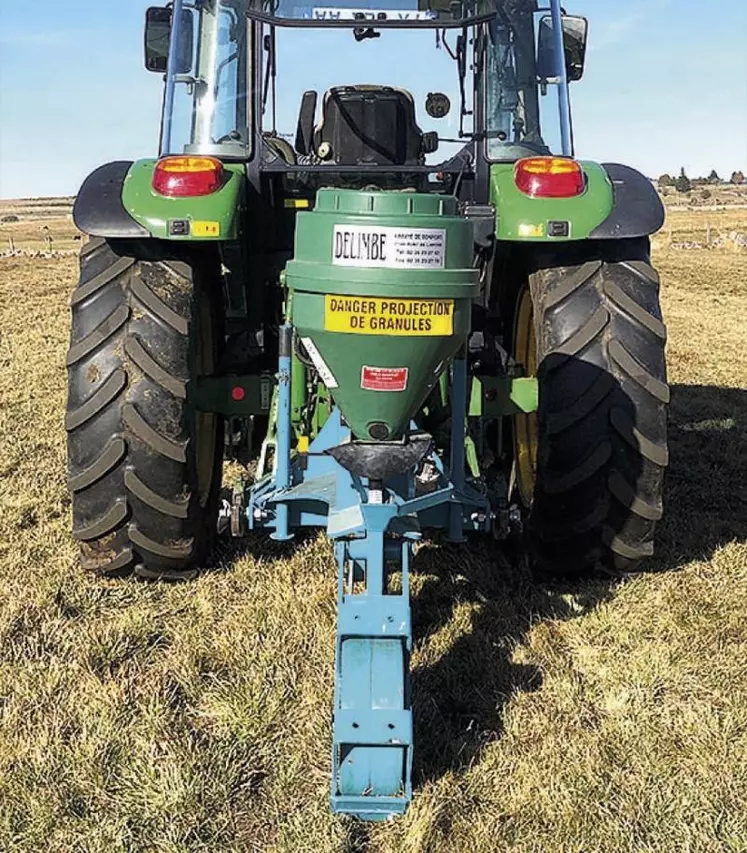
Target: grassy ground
[[601, 717]]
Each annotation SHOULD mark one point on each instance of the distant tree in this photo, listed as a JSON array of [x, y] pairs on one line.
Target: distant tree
[[737, 177], [682, 184], [705, 194], [665, 180], [713, 178], [10, 217]]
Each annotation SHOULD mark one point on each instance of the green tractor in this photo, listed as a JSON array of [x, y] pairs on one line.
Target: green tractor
[[367, 263]]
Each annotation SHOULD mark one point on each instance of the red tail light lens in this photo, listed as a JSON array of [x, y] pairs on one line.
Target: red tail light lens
[[549, 177], [187, 176]]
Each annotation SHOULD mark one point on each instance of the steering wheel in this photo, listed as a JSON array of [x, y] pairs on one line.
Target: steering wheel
[[281, 148]]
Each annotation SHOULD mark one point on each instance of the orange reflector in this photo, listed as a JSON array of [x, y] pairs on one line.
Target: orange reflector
[[187, 176], [549, 177]]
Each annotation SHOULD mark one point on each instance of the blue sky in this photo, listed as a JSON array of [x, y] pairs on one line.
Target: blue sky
[[665, 86]]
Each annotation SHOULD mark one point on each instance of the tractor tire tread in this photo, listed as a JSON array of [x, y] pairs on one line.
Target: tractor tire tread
[[630, 306], [92, 245], [92, 286], [178, 550], [653, 451], [624, 549], [132, 455], [100, 399], [176, 509], [636, 372], [138, 426], [119, 565], [153, 303], [581, 339], [580, 408], [99, 336], [145, 361], [572, 283], [621, 489], [113, 454], [556, 483], [108, 522], [603, 407]]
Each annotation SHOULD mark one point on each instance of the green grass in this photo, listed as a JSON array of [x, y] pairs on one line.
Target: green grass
[[598, 717]]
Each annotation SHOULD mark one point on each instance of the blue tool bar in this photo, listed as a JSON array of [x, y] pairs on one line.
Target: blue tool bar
[[283, 438]]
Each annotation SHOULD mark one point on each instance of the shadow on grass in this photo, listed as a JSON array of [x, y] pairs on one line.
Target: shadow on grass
[[459, 695], [705, 499], [458, 699]]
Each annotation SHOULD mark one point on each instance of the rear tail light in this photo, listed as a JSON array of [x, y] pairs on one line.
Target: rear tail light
[[549, 177], [187, 176]]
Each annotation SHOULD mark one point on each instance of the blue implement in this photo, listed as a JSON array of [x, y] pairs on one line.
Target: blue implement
[[374, 525]]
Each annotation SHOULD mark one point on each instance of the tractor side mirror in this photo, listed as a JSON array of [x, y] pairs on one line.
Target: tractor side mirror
[[575, 32], [305, 127], [158, 23]]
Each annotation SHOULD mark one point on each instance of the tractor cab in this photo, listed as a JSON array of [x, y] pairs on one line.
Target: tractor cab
[[376, 87]]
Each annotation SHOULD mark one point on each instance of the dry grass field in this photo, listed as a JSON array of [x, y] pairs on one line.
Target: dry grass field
[[605, 717], [36, 221]]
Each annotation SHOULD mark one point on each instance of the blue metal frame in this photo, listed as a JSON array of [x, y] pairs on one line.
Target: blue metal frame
[[372, 743]]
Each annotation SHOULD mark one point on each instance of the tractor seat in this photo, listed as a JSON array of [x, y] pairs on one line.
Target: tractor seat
[[370, 125]]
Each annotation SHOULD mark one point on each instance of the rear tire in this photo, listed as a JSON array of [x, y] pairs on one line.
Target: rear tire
[[603, 395], [143, 465]]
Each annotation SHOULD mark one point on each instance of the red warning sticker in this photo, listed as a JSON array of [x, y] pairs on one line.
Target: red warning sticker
[[383, 378]]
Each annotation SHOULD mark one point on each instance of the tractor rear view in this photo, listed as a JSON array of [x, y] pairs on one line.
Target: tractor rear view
[[403, 299]]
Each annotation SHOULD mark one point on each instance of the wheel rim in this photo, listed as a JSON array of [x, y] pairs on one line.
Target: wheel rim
[[206, 423], [525, 425]]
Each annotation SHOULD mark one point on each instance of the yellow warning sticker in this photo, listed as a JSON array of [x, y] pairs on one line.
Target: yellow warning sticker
[[203, 228], [367, 315]]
